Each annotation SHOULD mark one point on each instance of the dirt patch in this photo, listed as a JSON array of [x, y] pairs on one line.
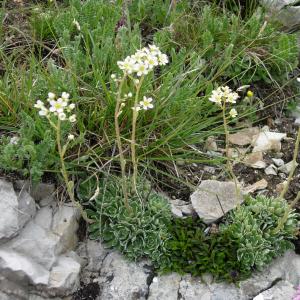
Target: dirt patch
[[89, 291]]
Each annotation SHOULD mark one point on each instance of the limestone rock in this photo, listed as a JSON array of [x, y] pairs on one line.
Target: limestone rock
[[211, 144], [96, 252], [65, 225], [287, 167], [278, 162], [64, 276], [268, 141], [213, 199], [243, 137], [259, 185], [191, 288], [9, 224], [181, 208], [281, 290], [164, 287], [122, 280], [255, 160], [21, 268], [271, 170], [16, 210]]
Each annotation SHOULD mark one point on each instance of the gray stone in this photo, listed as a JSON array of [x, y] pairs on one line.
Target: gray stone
[[191, 288], [122, 280], [181, 208], [257, 186], [65, 225], [244, 137], [278, 162], [211, 144], [96, 253], [268, 141], [165, 287], [255, 160], [64, 276], [271, 170], [287, 167], [26, 208], [280, 291], [213, 199], [21, 268], [9, 224], [223, 291]]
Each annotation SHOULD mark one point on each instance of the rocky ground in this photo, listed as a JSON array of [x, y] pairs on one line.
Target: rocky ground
[[41, 258]]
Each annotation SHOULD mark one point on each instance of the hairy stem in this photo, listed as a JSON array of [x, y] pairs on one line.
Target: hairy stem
[[119, 142], [228, 163], [64, 172], [133, 135]]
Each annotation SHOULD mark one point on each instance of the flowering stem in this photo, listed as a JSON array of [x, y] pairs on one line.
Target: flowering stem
[[228, 163], [69, 184], [119, 142], [133, 134]]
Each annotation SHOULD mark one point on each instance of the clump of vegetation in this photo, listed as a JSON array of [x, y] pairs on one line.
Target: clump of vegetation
[[192, 251], [26, 154], [138, 232], [256, 229]]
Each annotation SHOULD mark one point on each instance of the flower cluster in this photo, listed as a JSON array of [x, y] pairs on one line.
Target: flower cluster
[[145, 104], [225, 95], [143, 61], [59, 107], [297, 296]]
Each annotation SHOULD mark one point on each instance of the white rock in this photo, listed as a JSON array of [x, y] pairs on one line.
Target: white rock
[[13, 264], [9, 224], [268, 141], [37, 244], [287, 167], [244, 137], [271, 170], [180, 208], [278, 162], [165, 287], [211, 144], [213, 199], [121, 279], [64, 276], [281, 290], [26, 208], [255, 160], [65, 225], [259, 185], [192, 289], [96, 252]]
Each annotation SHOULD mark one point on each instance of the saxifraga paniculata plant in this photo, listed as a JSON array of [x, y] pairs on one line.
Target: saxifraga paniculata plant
[[139, 232], [253, 226]]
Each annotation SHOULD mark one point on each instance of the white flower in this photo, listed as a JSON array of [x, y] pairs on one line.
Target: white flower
[[39, 104], [51, 96], [141, 69], [163, 59], [232, 97], [216, 97], [62, 116], [71, 137], [152, 61], [113, 76], [129, 95], [233, 113], [76, 24], [154, 50], [72, 118], [58, 105], [146, 103], [298, 79], [127, 65], [136, 81], [71, 106], [65, 96], [43, 112]]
